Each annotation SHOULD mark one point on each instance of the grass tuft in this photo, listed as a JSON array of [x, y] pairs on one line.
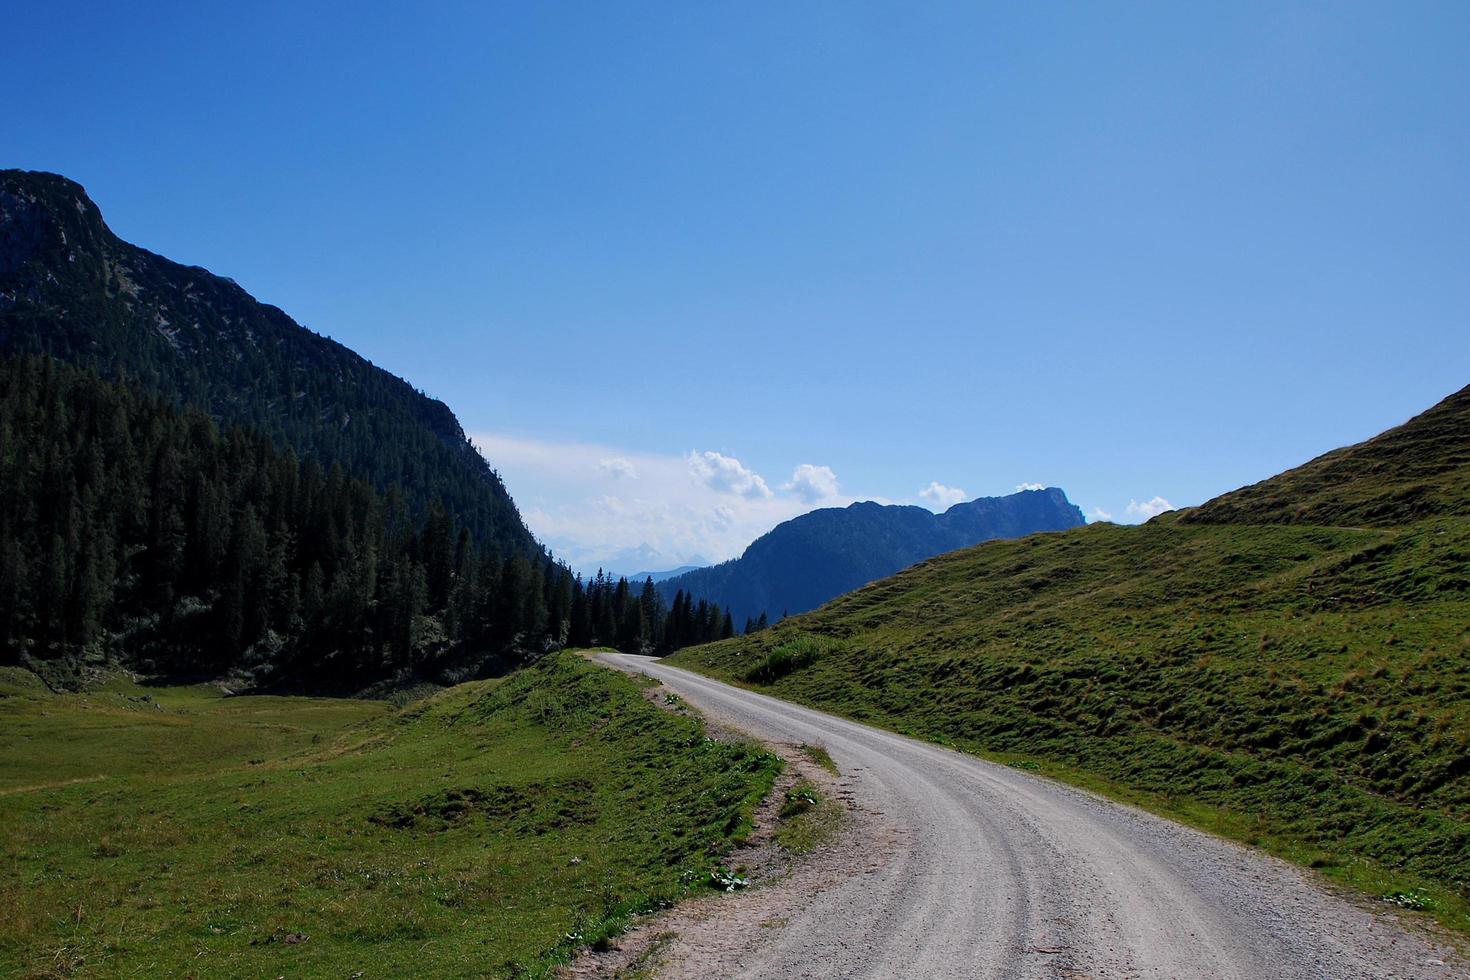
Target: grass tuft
[[796, 654], [808, 819], [820, 755]]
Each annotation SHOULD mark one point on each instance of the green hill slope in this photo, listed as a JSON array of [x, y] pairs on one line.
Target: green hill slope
[[1419, 469], [1294, 684]]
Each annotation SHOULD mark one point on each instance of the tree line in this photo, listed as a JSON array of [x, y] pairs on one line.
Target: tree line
[[135, 531]]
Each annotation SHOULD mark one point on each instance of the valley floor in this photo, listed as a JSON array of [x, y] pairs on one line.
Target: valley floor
[[491, 829]]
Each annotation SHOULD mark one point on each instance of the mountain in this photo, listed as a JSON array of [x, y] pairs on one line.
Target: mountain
[[1287, 664], [193, 484], [71, 289], [802, 563], [622, 563], [660, 576]]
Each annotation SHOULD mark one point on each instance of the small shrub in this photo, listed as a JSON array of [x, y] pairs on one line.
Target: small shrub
[[1412, 899], [799, 799], [726, 880]]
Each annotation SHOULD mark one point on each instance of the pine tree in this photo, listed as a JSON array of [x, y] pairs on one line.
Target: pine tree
[[651, 608], [579, 633], [437, 556]]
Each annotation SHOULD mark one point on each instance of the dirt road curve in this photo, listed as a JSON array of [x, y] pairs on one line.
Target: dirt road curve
[[1003, 874]]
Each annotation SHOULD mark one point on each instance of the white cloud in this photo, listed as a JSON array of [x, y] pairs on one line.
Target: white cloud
[[1030, 486], [618, 468], [941, 497], [1098, 514], [813, 483], [591, 504], [1149, 508], [727, 474]]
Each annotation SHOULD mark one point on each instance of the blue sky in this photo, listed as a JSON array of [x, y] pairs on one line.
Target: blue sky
[[660, 257]]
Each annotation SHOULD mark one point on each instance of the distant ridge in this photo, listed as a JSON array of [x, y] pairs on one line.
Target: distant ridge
[[810, 559], [660, 576]]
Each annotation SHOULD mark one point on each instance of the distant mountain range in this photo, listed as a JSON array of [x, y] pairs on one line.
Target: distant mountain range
[[225, 490], [646, 558], [660, 576], [810, 559]]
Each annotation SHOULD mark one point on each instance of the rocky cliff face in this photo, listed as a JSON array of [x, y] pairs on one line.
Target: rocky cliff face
[[810, 559], [72, 289]]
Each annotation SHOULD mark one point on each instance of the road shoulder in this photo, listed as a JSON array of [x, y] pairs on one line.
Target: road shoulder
[[716, 934]]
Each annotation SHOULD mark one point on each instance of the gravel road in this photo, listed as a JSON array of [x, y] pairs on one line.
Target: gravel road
[[997, 873]]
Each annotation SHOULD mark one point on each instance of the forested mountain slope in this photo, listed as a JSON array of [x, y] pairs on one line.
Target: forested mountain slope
[[140, 534], [193, 484], [1289, 664], [72, 289], [805, 561], [135, 532]]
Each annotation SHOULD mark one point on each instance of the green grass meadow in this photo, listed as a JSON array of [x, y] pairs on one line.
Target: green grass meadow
[[488, 830]]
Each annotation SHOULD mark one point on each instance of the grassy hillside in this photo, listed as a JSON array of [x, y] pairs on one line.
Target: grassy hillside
[[488, 830], [1414, 471], [1303, 687]]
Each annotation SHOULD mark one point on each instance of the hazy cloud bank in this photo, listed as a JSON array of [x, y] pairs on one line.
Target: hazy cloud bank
[[594, 504]]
